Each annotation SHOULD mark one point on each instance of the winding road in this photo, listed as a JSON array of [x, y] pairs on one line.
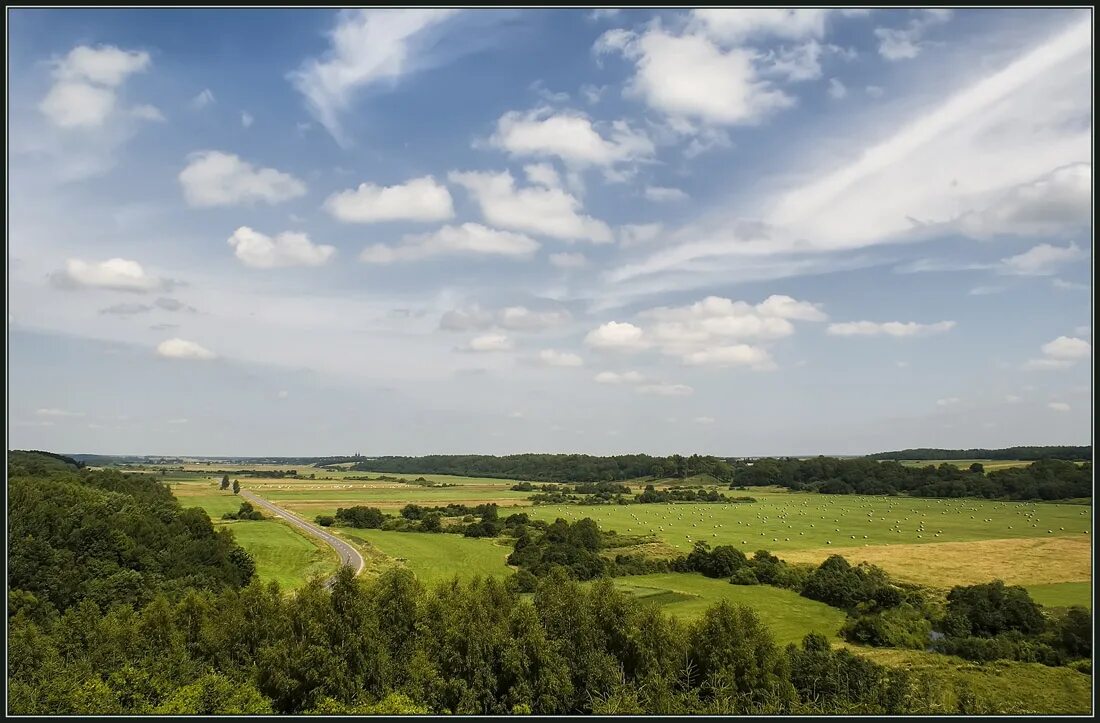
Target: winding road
[[348, 555]]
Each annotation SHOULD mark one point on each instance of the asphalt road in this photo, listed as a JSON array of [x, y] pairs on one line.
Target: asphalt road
[[348, 554]]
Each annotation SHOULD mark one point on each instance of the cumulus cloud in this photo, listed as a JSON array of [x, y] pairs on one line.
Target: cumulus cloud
[[566, 260], [289, 248], [837, 89], [542, 174], [571, 136], [617, 336], [735, 25], [489, 343], [520, 318], [57, 413], [690, 76], [736, 355], [905, 43], [662, 194], [553, 358], [666, 390], [115, 274], [465, 319], [1061, 353], [630, 377], [469, 239], [534, 209], [214, 178], [183, 349], [369, 48], [420, 199], [203, 99], [85, 86], [889, 328], [1041, 260]]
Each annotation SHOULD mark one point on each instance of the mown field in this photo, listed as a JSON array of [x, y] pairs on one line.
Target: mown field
[[435, 557], [687, 595], [282, 553]]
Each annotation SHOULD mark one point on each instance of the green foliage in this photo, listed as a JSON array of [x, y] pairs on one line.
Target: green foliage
[[325, 520], [991, 609], [236, 486], [1048, 479], [246, 512], [837, 583], [1080, 454], [904, 626], [360, 516]]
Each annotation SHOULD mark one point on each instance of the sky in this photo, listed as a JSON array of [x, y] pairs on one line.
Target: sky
[[730, 232]]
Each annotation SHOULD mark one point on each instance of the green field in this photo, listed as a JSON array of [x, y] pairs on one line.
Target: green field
[[989, 464], [1062, 594], [437, 557], [281, 553], [687, 595], [792, 521]]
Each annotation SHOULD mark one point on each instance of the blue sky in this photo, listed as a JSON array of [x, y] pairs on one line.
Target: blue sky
[[737, 232]]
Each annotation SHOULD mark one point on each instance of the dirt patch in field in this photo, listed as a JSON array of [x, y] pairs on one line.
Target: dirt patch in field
[[1017, 561]]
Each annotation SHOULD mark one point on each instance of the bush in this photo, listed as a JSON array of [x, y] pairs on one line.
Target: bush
[[325, 520], [744, 576], [360, 517], [899, 627]]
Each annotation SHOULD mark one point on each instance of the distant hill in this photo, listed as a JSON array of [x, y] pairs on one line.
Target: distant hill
[[1078, 454], [37, 462]]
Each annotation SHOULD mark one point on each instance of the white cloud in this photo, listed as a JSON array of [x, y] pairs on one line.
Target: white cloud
[[420, 199], [1013, 398], [1055, 202], [570, 136], [784, 307], [889, 328], [1066, 347], [905, 43], [618, 336], [948, 402], [630, 377], [177, 420], [689, 76], [368, 48], [283, 394], [542, 174], [203, 99], [985, 290], [57, 413], [836, 89], [1059, 406], [1061, 353], [86, 80], [214, 178], [567, 260], [666, 390], [286, 249], [246, 119], [520, 318], [737, 355], [592, 93], [467, 239], [1069, 285], [183, 349], [735, 25], [798, 63], [874, 91], [535, 209], [115, 274], [1041, 260], [639, 233], [147, 112], [489, 343], [554, 358], [704, 420], [466, 319], [661, 194]]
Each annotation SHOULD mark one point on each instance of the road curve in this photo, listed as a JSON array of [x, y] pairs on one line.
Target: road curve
[[348, 555]]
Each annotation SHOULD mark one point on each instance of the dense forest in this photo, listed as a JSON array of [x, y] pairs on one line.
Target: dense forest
[[1046, 479], [570, 468], [1077, 454]]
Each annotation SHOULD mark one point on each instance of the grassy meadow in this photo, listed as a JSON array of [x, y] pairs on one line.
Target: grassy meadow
[[282, 553], [436, 557]]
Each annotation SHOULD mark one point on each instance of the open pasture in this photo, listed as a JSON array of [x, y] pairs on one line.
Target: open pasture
[[792, 521], [687, 596], [436, 557], [1062, 594], [281, 553], [989, 464]]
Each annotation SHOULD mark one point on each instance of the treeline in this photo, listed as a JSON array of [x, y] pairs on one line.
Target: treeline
[[568, 468], [107, 537], [1076, 454], [1046, 479]]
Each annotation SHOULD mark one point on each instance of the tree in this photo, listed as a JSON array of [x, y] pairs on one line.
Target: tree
[[977, 468], [325, 520], [225, 482], [236, 486]]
